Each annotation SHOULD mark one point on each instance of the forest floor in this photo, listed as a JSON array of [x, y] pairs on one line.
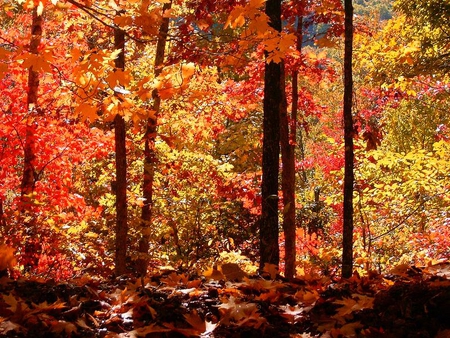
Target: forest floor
[[410, 302]]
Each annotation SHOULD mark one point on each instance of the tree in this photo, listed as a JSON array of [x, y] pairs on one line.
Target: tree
[[427, 23], [149, 150], [30, 175], [273, 101], [288, 137], [347, 245], [121, 168]]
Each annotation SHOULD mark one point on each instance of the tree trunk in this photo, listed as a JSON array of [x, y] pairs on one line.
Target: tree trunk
[[29, 172], [121, 169], [149, 151], [288, 187], [347, 253], [29, 176], [288, 128], [269, 250]]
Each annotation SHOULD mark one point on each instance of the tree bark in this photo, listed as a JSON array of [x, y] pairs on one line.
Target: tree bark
[[121, 169], [149, 151], [288, 129], [29, 176], [347, 245], [269, 250], [29, 172], [288, 186]]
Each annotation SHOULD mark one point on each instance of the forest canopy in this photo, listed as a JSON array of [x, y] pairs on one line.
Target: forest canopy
[[132, 135]]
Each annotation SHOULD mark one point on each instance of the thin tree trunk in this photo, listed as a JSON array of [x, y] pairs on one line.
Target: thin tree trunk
[[294, 113], [2, 217], [149, 151], [288, 142], [29, 176], [29, 172], [269, 250], [121, 169], [347, 253], [288, 187]]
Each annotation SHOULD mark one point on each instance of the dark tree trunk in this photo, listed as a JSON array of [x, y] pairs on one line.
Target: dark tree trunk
[[149, 151], [347, 253], [29, 171], [29, 177], [269, 250], [121, 170]]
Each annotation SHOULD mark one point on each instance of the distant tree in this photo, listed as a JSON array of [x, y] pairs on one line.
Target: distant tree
[[428, 23]]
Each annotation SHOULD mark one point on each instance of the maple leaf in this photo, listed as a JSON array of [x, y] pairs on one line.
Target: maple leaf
[[239, 312], [271, 269], [356, 303], [232, 272], [86, 111], [203, 327], [213, 274], [11, 301], [60, 326], [8, 326], [144, 331], [7, 258], [272, 295], [37, 62], [236, 18], [292, 313]]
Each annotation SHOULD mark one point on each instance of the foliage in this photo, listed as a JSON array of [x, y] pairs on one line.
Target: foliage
[[208, 143]]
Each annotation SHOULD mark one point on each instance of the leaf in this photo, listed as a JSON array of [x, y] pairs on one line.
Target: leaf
[[11, 301], [7, 326], [60, 326], [145, 330], [40, 8], [202, 327], [236, 310], [271, 269], [37, 62], [292, 313], [236, 18], [326, 42], [232, 272], [213, 274], [7, 259], [86, 112], [356, 303]]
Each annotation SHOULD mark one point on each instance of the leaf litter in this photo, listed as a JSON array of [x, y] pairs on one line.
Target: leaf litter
[[410, 303]]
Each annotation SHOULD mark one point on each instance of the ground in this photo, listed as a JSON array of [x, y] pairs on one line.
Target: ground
[[409, 302]]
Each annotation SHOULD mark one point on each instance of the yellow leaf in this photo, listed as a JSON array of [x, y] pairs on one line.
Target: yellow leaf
[[188, 70], [40, 8], [213, 273]]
